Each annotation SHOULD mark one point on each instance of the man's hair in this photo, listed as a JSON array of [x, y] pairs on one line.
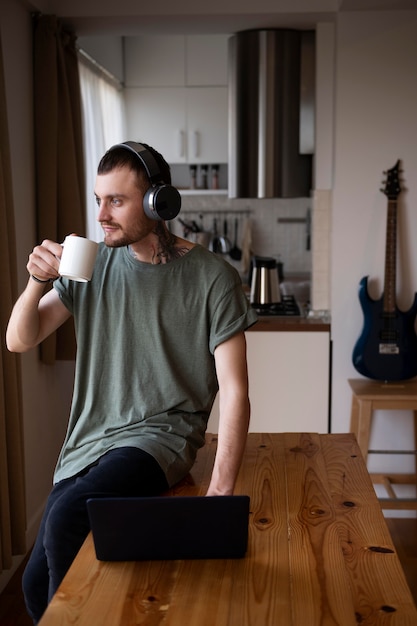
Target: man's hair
[[122, 157]]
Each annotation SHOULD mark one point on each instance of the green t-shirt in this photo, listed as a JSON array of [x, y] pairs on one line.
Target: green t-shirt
[[145, 373]]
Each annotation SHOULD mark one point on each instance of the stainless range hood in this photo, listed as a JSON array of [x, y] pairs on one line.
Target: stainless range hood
[[265, 89]]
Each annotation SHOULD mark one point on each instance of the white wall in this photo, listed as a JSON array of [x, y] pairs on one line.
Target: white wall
[[107, 51], [376, 123], [46, 390]]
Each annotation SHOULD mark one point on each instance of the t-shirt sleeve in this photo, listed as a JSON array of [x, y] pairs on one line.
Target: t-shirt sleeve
[[233, 314], [64, 289]]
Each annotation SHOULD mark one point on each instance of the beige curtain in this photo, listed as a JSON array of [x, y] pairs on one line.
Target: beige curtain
[[58, 150], [60, 210], [12, 494]]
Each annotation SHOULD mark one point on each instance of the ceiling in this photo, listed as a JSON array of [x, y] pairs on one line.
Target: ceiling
[[133, 17]]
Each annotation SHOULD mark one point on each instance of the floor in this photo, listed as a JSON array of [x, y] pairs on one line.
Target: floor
[[403, 532], [404, 535], [12, 607]]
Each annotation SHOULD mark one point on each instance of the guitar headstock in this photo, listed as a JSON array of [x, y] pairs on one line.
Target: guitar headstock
[[392, 187]]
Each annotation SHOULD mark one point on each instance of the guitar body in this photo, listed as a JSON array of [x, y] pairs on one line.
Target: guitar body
[[387, 346]]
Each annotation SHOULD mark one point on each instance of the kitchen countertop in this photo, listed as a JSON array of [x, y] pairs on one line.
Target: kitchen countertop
[[274, 323], [282, 323]]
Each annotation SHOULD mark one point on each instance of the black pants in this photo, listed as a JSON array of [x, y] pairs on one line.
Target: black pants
[[65, 525]]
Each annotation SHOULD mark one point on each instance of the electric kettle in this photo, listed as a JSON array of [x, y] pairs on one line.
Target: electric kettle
[[264, 283]]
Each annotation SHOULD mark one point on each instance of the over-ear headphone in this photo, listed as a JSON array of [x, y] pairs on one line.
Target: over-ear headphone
[[161, 201]]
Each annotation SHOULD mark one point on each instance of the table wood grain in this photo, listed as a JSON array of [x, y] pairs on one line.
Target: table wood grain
[[319, 552]]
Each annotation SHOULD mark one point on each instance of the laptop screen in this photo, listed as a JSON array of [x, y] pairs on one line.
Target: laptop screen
[[169, 527]]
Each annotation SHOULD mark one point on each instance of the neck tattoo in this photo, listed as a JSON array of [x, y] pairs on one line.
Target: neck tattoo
[[167, 249]]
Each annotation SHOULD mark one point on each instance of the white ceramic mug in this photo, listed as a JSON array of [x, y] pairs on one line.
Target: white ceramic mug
[[78, 258]]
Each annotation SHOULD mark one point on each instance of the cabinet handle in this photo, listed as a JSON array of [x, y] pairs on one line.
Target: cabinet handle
[[196, 144], [181, 143]]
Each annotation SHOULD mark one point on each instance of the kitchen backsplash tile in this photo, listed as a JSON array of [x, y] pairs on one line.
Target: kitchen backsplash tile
[[295, 231], [279, 227]]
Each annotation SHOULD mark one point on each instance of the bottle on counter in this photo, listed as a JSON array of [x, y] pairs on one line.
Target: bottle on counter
[[214, 176], [204, 182], [193, 176]]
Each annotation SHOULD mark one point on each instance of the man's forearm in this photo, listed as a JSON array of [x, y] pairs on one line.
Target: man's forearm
[[23, 328], [32, 319], [230, 449]]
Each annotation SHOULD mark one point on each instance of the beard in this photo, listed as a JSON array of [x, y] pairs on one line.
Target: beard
[[121, 242], [121, 238]]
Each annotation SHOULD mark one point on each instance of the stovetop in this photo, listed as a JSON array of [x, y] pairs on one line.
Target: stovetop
[[288, 307]]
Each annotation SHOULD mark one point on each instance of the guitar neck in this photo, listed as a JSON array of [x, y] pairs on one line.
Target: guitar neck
[[390, 258]]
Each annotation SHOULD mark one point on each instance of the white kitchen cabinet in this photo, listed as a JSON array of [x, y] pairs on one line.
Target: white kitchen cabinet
[[288, 382], [207, 124], [176, 60], [206, 60], [185, 124], [157, 116]]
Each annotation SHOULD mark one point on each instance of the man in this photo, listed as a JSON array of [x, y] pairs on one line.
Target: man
[[160, 328]]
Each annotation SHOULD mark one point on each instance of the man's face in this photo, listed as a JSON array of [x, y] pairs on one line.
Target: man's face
[[120, 202]]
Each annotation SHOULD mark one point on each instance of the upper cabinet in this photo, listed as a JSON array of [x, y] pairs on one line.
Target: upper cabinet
[[177, 96], [176, 61], [155, 61], [206, 60], [185, 124]]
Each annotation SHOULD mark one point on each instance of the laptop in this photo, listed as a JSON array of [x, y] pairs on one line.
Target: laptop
[[169, 527]]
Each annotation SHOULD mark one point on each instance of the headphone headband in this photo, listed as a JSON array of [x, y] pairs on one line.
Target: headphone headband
[[147, 158]]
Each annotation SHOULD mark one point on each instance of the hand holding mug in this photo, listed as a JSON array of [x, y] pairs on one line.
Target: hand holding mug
[[43, 262]]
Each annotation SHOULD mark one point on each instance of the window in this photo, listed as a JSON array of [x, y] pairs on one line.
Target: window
[[103, 126]]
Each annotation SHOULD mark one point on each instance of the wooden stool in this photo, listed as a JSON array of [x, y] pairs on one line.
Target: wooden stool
[[369, 396]]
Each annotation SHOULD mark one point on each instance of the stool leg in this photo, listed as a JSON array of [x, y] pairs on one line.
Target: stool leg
[[354, 416], [364, 426], [360, 422]]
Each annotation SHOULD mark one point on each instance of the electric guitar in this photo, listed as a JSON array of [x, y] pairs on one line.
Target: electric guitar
[[387, 347]]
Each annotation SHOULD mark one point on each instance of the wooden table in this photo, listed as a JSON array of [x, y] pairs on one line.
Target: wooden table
[[319, 552]]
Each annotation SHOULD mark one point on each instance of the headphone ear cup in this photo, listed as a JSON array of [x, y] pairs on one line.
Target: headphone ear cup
[[162, 202]]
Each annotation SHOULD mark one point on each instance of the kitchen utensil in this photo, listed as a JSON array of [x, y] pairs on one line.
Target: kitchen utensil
[[188, 227], [226, 241], [203, 238], [264, 283], [194, 232], [246, 247], [214, 245], [218, 243], [235, 252]]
